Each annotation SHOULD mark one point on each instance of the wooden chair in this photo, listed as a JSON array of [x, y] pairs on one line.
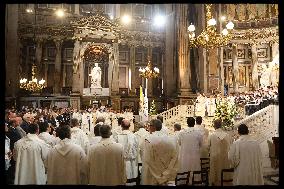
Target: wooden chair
[[203, 178], [132, 180], [182, 177], [223, 180], [205, 163], [138, 178]]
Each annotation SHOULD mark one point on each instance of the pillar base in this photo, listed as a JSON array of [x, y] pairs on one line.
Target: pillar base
[[75, 100], [186, 96], [115, 102]]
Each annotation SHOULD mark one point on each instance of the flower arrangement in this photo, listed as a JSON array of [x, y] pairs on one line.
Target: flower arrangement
[[226, 111]]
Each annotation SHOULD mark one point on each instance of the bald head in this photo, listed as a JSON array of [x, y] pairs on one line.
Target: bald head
[[17, 121], [125, 124]]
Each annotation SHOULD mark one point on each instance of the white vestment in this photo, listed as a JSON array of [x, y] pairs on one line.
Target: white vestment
[[141, 134], [78, 116], [200, 106], [219, 144], [160, 159], [116, 130], [129, 116], [130, 147], [165, 129], [246, 157], [30, 152], [79, 137], [205, 133], [106, 163], [211, 106], [190, 141], [48, 138], [87, 123], [66, 164]]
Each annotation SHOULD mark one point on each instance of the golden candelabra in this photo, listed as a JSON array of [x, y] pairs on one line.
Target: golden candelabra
[[209, 38], [148, 71], [32, 85]]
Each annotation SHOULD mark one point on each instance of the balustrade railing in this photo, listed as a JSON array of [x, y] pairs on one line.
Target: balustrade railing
[[263, 124]]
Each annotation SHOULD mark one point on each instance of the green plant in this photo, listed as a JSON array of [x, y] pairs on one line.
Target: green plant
[[226, 111], [153, 110]]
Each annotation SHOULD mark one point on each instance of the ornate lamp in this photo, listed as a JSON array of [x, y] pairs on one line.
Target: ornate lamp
[[209, 38], [32, 85], [148, 71]]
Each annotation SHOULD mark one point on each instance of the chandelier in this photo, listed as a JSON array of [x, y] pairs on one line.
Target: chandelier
[[148, 71], [209, 38], [32, 85]]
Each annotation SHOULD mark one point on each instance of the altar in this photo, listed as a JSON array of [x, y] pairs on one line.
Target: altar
[[96, 91]]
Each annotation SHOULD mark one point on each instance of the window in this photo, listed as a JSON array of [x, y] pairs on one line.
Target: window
[[138, 10], [148, 11]]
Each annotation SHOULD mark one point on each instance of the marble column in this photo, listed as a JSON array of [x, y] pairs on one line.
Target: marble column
[[58, 62], [77, 9], [115, 98], [254, 61], [150, 80], [11, 50], [38, 56], [275, 50], [184, 87], [169, 66], [132, 69], [235, 68]]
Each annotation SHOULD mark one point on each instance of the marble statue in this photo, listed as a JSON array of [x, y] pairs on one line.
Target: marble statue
[[96, 75]]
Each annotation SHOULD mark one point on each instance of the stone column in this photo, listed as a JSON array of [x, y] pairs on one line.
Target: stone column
[[11, 50], [77, 10], [58, 62], [202, 64], [38, 56], [254, 61], [115, 98], [184, 86], [169, 66], [150, 80], [235, 68], [132, 68], [275, 50]]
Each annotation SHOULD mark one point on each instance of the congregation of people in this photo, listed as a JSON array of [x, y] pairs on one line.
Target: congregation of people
[[59, 147], [250, 101]]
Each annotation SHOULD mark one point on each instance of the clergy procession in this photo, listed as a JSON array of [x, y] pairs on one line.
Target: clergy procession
[[101, 147]]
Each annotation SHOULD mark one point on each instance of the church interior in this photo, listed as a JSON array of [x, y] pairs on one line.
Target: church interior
[[147, 60]]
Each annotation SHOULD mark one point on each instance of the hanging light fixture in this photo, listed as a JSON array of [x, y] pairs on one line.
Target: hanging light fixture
[[209, 38], [148, 71], [33, 85]]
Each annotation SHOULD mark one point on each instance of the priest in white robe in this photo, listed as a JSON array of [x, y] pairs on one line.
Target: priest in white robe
[[246, 158], [44, 129], [141, 134], [76, 114], [164, 129], [160, 158], [66, 162], [117, 130], [106, 161], [205, 133], [211, 106], [30, 152], [129, 142], [219, 144], [78, 136], [200, 105], [190, 141], [87, 123], [97, 138]]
